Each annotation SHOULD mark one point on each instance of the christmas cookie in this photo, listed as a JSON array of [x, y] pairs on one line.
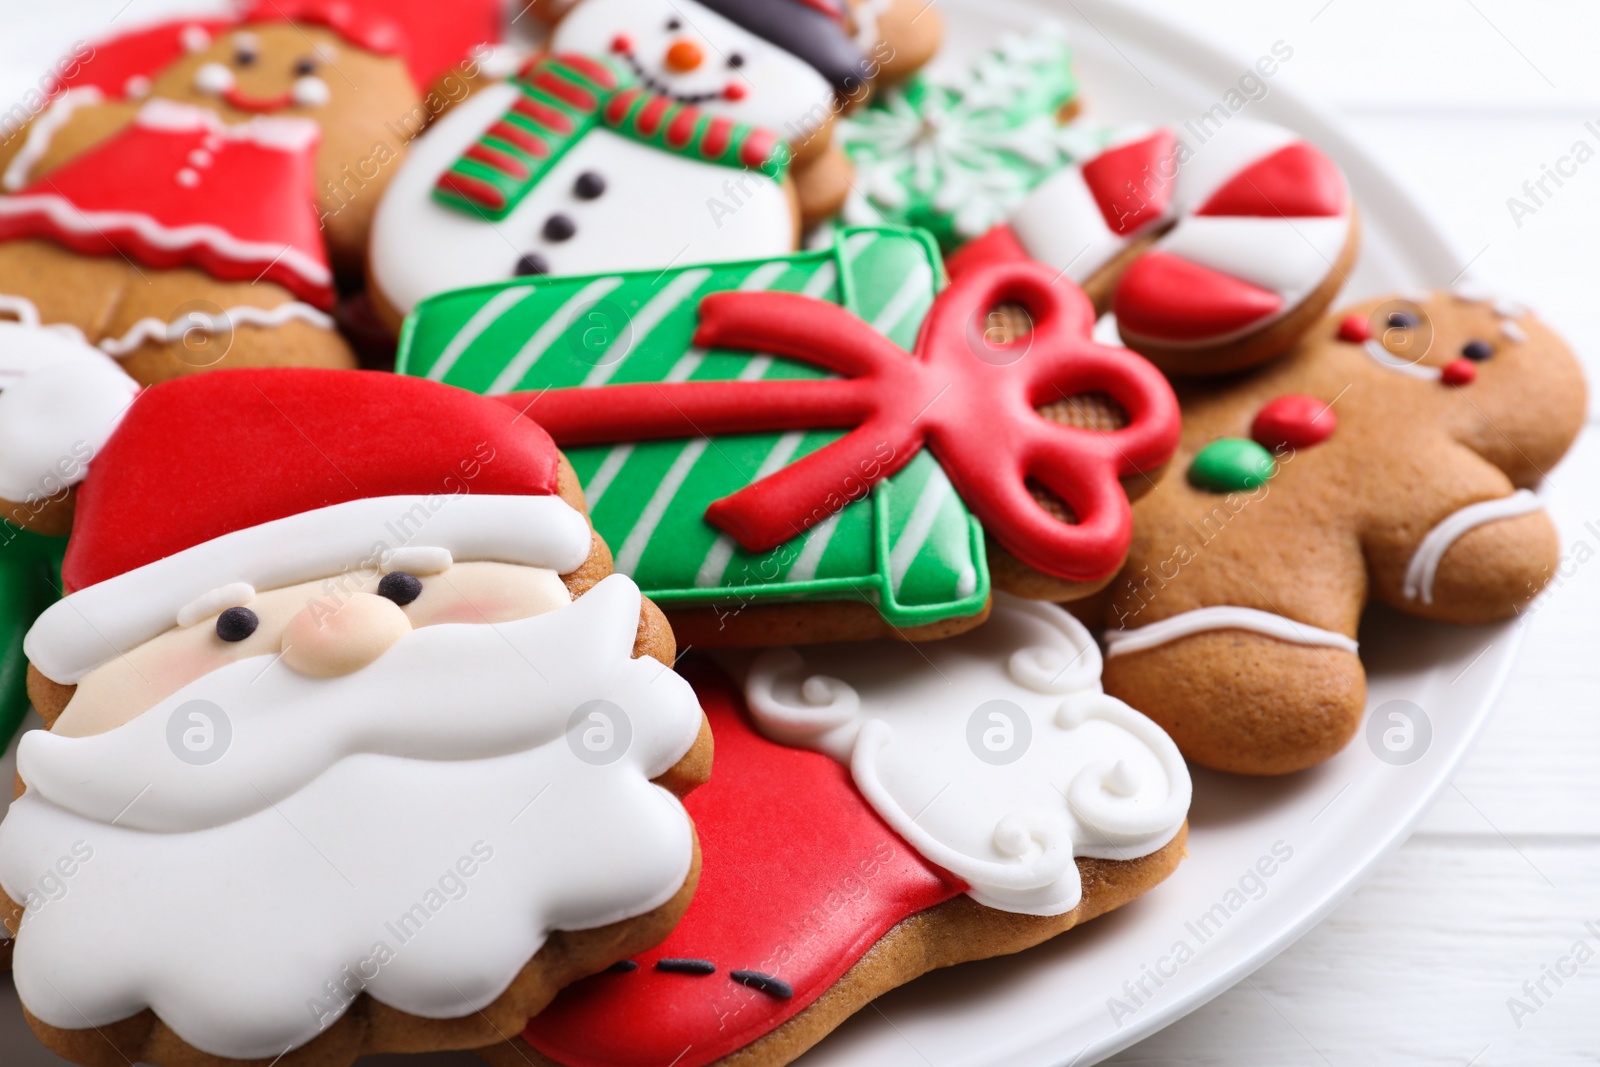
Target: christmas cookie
[[192, 192], [968, 808], [956, 153], [784, 450], [1389, 456], [1215, 254], [357, 749]]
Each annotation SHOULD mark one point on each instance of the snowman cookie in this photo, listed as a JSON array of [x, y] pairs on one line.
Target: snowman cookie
[[654, 135], [876, 815], [1216, 248], [1389, 457], [408, 755]]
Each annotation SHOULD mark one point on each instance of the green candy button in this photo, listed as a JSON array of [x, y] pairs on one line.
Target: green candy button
[[1231, 464]]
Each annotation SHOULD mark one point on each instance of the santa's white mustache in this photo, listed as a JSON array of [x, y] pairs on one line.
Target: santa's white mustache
[[446, 692]]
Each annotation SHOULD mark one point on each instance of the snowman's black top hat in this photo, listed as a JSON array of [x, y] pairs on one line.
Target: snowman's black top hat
[[813, 30]]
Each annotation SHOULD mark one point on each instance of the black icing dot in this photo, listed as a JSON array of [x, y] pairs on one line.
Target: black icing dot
[[302, 67], [736, 61], [532, 263], [681, 966], [590, 184], [1402, 320], [244, 57], [1477, 351], [236, 624], [400, 587], [559, 228], [622, 967], [766, 983], [674, 25]]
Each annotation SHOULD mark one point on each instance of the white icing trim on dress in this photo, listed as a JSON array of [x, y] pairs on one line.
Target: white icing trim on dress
[[1209, 620], [997, 819], [98, 623], [44, 130], [154, 329], [1424, 565]]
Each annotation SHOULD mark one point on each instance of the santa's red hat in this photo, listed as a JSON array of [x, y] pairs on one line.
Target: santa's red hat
[[429, 36], [267, 478]]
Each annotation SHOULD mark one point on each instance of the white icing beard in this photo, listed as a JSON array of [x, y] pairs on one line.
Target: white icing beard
[[60, 398], [659, 210], [782, 91], [413, 830], [1069, 771]]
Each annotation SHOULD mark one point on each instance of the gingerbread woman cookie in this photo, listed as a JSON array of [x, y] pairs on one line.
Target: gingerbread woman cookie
[[782, 450], [1390, 456], [1216, 249], [966, 809], [362, 749]]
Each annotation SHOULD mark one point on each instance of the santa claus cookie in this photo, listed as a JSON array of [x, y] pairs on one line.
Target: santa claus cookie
[[785, 450], [1389, 456], [355, 744], [1216, 252], [967, 805], [191, 193]]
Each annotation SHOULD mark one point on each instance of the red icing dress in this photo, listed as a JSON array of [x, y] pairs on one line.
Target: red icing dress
[[179, 187], [799, 878]]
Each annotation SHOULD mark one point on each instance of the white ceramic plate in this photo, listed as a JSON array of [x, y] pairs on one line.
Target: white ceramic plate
[[1052, 1005]]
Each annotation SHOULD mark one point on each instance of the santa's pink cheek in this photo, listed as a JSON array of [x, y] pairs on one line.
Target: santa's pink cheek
[[735, 91]]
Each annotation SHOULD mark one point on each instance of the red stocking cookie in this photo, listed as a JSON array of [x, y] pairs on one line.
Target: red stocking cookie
[[1390, 455], [358, 749], [1215, 256], [991, 801]]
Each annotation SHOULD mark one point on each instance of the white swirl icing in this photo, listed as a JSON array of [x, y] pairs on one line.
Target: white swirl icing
[[1424, 565], [1224, 617]]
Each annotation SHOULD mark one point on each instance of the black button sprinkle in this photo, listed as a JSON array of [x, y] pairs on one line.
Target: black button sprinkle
[[559, 228], [680, 966], [1402, 320], [766, 983], [236, 624], [590, 184], [532, 264], [400, 587], [1477, 351]]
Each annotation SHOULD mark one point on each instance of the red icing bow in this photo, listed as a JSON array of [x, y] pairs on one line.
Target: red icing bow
[[972, 405]]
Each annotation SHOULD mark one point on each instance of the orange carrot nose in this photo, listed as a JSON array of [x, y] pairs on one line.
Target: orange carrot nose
[[684, 56]]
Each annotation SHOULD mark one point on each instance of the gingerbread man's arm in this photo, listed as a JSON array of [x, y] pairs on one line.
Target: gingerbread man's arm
[[65, 129]]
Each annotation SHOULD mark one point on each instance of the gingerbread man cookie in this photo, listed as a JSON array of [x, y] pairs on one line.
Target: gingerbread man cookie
[[782, 450], [966, 809], [1216, 249], [1390, 456], [360, 750]]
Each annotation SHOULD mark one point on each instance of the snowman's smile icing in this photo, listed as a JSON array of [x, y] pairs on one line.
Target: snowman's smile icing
[[659, 82]]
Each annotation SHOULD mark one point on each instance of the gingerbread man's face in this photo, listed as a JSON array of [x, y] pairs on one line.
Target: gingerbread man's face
[[362, 101]]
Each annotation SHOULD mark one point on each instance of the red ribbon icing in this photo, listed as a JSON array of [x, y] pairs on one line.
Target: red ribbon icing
[[799, 878], [971, 404]]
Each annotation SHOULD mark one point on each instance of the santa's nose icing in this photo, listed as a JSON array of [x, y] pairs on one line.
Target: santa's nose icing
[[684, 56], [330, 638]]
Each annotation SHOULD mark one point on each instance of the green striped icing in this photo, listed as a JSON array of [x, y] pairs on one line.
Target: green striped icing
[[910, 546]]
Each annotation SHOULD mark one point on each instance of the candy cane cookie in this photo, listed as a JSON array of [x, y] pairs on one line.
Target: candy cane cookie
[[1215, 255]]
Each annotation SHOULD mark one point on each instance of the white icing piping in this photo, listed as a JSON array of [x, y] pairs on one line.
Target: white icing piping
[[102, 621], [153, 329], [1208, 620], [1430, 553], [44, 130], [1384, 358], [202, 607], [64, 214]]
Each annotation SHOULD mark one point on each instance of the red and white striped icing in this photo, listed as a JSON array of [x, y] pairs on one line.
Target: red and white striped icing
[[1256, 219]]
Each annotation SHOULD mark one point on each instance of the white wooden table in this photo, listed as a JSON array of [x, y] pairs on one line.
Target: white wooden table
[[1471, 98]]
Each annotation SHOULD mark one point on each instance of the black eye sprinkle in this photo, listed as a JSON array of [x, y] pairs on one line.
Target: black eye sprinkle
[[1477, 351], [302, 67], [400, 587], [244, 57], [674, 25], [736, 61], [1402, 320], [236, 624]]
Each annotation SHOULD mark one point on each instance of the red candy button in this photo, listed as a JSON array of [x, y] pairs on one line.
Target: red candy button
[[1354, 329], [1459, 372], [1295, 421]]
